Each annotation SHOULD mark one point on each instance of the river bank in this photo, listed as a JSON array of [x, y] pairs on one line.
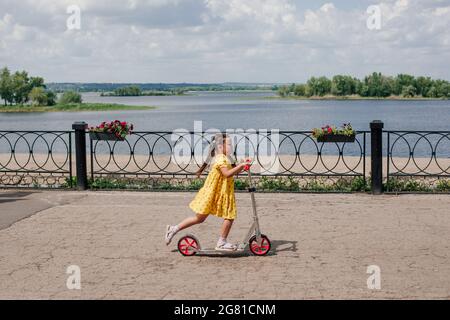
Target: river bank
[[73, 107], [355, 98]]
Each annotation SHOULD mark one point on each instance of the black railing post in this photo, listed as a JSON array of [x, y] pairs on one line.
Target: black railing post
[[376, 147], [80, 153]]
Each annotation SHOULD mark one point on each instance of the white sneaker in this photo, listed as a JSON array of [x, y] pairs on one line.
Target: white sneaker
[[225, 246], [170, 232]]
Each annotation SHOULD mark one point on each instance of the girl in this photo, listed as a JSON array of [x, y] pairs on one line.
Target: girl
[[216, 197]]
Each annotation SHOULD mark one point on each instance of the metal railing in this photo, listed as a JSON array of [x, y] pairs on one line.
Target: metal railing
[[430, 164], [35, 158], [45, 158], [297, 154]]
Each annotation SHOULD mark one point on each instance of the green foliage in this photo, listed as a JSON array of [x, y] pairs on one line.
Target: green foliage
[[379, 85], [137, 91], [278, 184], [16, 88], [300, 90], [401, 185], [70, 182], [38, 96], [241, 184], [359, 184], [283, 91], [70, 97], [51, 98], [20, 86], [319, 86], [73, 107], [266, 184], [408, 91], [343, 85], [128, 91], [6, 88], [443, 185], [346, 129], [375, 85]]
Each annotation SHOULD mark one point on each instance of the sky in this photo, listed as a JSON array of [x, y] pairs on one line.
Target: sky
[[215, 41]]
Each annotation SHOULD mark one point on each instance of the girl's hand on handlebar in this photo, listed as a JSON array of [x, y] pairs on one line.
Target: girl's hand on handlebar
[[246, 161], [246, 166]]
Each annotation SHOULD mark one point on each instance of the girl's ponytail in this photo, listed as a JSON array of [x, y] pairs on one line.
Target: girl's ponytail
[[216, 140]]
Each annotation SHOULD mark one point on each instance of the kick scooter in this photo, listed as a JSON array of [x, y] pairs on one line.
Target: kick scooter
[[258, 243]]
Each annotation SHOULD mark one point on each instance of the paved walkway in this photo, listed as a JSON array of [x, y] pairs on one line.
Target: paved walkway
[[322, 246]]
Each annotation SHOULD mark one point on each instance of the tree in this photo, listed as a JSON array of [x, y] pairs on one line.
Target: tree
[[379, 85], [401, 81], [38, 96], [442, 88], [423, 85], [343, 85], [319, 86], [433, 92], [70, 97], [21, 87], [6, 89], [283, 91], [300, 90], [51, 98], [408, 91], [128, 91]]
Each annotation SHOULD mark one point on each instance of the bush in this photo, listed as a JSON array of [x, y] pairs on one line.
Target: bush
[[51, 98], [70, 97], [443, 185], [38, 96]]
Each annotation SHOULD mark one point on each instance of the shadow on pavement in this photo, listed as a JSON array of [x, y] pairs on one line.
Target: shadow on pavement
[[14, 196]]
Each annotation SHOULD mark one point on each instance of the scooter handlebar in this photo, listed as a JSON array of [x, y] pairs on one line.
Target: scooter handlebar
[[247, 166]]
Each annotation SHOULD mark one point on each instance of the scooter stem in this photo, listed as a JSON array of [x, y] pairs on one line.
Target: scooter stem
[[255, 225]]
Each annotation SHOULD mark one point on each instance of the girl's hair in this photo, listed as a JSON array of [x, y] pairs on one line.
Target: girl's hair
[[217, 139]]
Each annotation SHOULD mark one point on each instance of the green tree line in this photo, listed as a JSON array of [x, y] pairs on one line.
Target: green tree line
[[137, 91], [375, 85], [19, 88], [128, 91]]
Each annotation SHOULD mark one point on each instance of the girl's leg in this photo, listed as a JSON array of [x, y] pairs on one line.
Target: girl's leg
[[226, 227], [188, 222], [172, 230], [223, 244]]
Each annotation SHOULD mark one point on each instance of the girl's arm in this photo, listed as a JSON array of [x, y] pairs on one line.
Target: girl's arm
[[231, 172]]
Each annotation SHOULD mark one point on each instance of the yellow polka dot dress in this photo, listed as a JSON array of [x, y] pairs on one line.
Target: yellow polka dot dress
[[216, 197]]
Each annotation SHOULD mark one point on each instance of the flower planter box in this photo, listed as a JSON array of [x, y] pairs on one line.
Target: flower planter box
[[336, 138], [105, 136]]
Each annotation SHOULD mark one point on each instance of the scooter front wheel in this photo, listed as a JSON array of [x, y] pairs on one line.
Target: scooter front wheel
[[260, 250], [188, 246]]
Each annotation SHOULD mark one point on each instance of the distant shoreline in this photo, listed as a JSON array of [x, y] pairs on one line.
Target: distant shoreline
[[74, 107], [355, 98], [144, 94]]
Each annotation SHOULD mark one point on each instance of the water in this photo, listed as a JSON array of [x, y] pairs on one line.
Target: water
[[229, 110], [243, 110]]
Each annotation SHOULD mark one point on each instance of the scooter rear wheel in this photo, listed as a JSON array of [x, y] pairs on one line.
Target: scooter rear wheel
[[260, 250], [188, 246]]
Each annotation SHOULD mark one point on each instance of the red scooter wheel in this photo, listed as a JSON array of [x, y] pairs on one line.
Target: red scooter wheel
[[188, 246], [260, 250]]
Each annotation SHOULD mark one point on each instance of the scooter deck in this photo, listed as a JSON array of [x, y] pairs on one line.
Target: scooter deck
[[211, 251]]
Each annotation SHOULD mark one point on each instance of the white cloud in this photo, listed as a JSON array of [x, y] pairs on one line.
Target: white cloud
[[222, 40]]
